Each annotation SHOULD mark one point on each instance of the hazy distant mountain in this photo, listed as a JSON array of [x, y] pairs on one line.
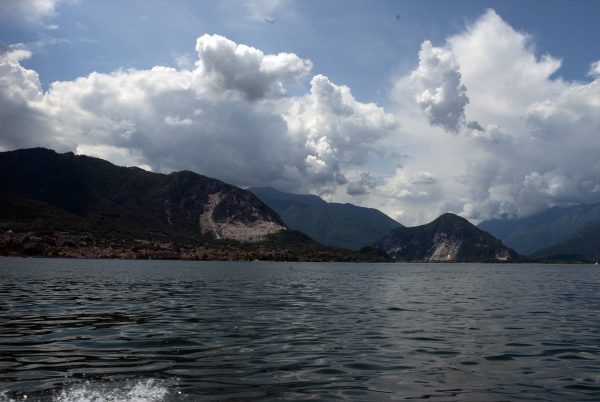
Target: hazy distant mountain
[[339, 225], [554, 226], [43, 190], [449, 238], [582, 246], [279, 199]]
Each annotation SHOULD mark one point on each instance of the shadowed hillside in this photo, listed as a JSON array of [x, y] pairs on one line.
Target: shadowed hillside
[[339, 225], [448, 238]]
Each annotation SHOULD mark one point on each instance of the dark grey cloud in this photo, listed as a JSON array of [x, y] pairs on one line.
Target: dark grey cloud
[[363, 185]]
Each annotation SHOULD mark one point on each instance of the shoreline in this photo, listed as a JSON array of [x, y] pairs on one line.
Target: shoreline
[[306, 261]]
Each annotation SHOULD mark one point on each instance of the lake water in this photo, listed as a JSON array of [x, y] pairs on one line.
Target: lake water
[[101, 330]]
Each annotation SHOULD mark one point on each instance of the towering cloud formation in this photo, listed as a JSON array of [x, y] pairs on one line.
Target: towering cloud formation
[[339, 131], [526, 141], [230, 117], [20, 97], [441, 94]]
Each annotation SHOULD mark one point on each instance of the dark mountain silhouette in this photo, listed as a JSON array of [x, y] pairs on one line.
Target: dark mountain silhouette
[[41, 189]]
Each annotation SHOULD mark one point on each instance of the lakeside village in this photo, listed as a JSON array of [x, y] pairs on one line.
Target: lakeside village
[[88, 246], [85, 245]]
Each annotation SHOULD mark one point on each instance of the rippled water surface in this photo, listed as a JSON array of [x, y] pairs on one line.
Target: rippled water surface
[[103, 330]]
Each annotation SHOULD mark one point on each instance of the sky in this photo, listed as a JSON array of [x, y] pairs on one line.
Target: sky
[[488, 109]]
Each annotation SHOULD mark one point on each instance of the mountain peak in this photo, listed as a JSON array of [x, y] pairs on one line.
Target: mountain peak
[[449, 217], [449, 238]]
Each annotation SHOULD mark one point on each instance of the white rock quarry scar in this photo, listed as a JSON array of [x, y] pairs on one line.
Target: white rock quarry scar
[[230, 229]]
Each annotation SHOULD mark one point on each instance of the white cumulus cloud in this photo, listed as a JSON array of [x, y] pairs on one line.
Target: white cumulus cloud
[[525, 140], [440, 94], [229, 117], [224, 66]]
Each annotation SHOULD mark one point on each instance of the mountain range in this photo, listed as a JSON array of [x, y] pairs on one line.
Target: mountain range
[[449, 238], [42, 191], [334, 224], [560, 233], [51, 202]]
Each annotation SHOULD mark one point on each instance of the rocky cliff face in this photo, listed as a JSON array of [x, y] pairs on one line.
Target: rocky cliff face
[[449, 238], [75, 192], [236, 215]]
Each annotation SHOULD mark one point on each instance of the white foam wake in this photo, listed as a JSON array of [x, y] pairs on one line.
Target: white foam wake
[[148, 390]]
